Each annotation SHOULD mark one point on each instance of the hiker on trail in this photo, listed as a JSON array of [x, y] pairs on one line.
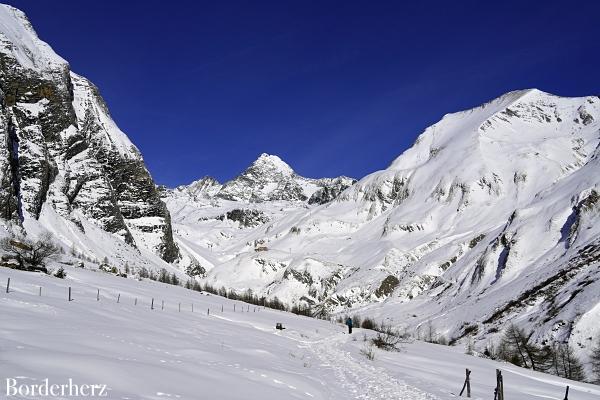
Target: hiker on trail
[[349, 323]]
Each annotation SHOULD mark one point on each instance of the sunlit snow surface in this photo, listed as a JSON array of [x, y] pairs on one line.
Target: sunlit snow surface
[[156, 354], [479, 210]]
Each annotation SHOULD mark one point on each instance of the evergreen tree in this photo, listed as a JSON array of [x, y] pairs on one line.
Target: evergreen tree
[[197, 286], [595, 361], [517, 348], [163, 276], [563, 362]]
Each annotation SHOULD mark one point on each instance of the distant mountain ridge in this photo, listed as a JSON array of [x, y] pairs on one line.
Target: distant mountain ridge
[[269, 178]]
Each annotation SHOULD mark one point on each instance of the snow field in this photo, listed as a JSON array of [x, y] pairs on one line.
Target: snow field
[[156, 354]]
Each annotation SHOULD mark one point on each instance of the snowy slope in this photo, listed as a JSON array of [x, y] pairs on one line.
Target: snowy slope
[[18, 37], [166, 353], [491, 206]]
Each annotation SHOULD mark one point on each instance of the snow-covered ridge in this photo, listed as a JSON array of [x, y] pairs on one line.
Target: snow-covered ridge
[[18, 37], [488, 204], [267, 179]]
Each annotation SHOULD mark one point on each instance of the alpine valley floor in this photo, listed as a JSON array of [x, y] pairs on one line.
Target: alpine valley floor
[[141, 353]]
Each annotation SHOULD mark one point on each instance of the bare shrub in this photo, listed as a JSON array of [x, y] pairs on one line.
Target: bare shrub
[[389, 338], [30, 254], [368, 323], [368, 351]]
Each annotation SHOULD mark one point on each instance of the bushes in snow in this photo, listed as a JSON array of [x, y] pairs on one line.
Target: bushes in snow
[[389, 338], [368, 351], [30, 254], [60, 273], [368, 323]]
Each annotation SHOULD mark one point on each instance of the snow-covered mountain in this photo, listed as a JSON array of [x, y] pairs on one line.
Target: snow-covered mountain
[[492, 216], [64, 165], [269, 179]]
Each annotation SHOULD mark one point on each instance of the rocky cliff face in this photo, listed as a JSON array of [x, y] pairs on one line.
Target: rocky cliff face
[[61, 149]]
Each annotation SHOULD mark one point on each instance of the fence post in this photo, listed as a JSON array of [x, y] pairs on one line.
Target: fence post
[[7, 285], [208, 311], [162, 306], [40, 290], [179, 307], [567, 394], [98, 295], [152, 304], [135, 302], [70, 294], [499, 386], [119, 298], [467, 384], [221, 307]]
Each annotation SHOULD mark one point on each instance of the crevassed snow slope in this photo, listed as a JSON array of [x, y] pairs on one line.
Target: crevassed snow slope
[[166, 353]]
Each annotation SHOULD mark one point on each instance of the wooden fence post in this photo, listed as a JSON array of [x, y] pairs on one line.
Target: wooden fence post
[[221, 307], [208, 311], [152, 304], [119, 298], [98, 295], [7, 285], [135, 302], [499, 394], [40, 290], [567, 394], [467, 384], [162, 306], [70, 294]]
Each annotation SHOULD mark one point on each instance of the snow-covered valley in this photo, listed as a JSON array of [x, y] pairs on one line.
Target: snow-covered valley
[[141, 353], [491, 219]]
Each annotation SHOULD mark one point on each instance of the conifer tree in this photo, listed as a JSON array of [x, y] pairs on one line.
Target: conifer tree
[[595, 361]]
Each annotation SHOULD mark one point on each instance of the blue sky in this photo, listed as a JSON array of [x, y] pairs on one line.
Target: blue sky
[[202, 88]]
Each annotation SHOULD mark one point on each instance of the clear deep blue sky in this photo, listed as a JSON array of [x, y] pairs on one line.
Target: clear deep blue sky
[[202, 88]]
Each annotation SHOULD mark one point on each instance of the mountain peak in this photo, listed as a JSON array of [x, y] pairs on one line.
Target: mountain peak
[[272, 163]]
